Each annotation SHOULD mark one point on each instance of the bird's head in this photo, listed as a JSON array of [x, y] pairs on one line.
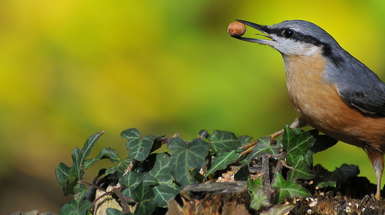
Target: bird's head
[[293, 37]]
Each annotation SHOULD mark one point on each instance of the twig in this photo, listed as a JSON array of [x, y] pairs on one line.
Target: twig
[[286, 165], [248, 148]]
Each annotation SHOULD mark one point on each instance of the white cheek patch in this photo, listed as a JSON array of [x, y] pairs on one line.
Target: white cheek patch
[[292, 47]]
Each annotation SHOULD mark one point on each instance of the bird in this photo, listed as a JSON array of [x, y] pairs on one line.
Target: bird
[[330, 89]]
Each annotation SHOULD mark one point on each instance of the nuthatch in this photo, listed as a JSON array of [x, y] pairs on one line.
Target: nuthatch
[[333, 91]]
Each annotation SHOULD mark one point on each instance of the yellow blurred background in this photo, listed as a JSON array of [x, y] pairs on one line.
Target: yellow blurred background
[[70, 68]]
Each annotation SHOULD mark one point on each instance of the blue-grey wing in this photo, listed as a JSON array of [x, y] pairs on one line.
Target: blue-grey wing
[[370, 102], [359, 87]]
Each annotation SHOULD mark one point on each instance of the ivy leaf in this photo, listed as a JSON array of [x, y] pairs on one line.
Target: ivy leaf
[[119, 168], [244, 140], [76, 208], [131, 133], [300, 166], [258, 197], [138, 147], [109, 153], [162, 169], [77, 163], [113, 211], [258, 200], [223, 141], [222, 161], [66, 176], [262, 147], [288, 189], [295, 142], [105, 153], [160, 173], [80, 191], [185, 157], [144, 196], [149, 180], [163, 193], [79, 155], [131, 180], [145, 208], [88, 163], [88, 145]]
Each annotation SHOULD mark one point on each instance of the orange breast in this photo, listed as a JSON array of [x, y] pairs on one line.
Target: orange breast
[[320, 105]]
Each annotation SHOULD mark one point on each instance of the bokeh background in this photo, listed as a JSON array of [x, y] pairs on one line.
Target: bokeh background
[[69, 68]]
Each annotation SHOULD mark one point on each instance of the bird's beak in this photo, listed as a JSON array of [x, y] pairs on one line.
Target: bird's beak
[[262, 28]]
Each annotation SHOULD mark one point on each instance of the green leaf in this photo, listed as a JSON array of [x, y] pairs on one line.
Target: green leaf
[[77, 163], [79, 155], [300, 166], [254, 184], [88, 163], [149, 180], [185, 157], [131, 133], [66, 177], [109, 153], [142, 193], [244, 140], [131, 179], [88, 145], [222, 161], [162, 169], [223, 141], [288, 189], [76, 208], [263, 147], [259, 199], [120, 168], [145, 208], [295, 142], [138, 147], [80, 191], [163, 193]]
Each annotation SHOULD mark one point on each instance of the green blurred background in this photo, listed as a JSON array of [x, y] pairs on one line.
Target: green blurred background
[[70, 68]]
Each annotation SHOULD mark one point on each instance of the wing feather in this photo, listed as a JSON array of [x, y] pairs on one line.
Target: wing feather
[[360, 88]]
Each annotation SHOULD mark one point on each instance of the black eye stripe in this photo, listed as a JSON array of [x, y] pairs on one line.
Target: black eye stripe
[[297, 36], [287, 33]]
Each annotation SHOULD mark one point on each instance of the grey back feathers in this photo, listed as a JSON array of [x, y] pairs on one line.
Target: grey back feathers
[[358, 86]]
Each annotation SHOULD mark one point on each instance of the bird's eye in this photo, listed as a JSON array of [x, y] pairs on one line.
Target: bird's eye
[[287, 33]]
